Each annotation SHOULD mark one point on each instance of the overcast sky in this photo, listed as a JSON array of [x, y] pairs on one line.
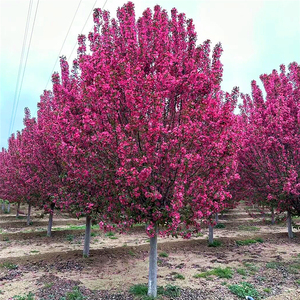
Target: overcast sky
[[257, 36]]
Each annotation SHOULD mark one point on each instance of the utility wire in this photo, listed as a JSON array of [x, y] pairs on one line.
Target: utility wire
[[63, 44], [36, 10], [20, 64]]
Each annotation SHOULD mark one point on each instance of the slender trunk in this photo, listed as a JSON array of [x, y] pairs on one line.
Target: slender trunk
[[8, 208], [210, 234], [3, 206], [18, 209], [289, 225], [217, 218], [273, 216], [152, 281], [50, 219], [87, 237], [28, 214]]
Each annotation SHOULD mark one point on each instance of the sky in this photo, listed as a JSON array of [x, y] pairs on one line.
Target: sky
[[257, 36]]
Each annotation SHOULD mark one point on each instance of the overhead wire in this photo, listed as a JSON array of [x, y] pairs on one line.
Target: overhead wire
[[24, 70], [63, 44], [20, 63]]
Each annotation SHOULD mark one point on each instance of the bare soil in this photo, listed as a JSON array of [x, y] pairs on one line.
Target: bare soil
[[52, 267]]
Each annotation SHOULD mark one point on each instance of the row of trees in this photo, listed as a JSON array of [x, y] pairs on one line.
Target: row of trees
[[139, 131]]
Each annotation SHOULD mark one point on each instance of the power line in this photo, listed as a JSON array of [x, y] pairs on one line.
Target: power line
[[63, 44], [86, 22], [20, 63], [36, 10]]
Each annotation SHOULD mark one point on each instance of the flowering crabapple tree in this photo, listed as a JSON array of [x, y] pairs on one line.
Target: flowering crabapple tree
[[270, 157], [155, 116]]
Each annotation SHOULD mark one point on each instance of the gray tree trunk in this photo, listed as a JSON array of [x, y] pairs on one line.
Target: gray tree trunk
[[289, 225], [87, 237], [50, 220], [273, 216], [210, 234], [217, 218], [18, 209], [28, 214], [152, 281], [8, 208]]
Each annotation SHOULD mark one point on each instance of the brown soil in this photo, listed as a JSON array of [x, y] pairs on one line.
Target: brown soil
[[51, 267]]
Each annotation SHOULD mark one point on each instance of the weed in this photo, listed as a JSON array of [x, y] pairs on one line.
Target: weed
[[179, 276], [267, 290], [298, 281], [93, 234], [34, 251], [75, 294], [70, 237], [251, 267], [109, 234], [244, 289], [141, 290], [6, 239], [219, 272], [130, 252], [24, 297], [249, 241], [220, 225], [199, 234], [148, 240], [224, 283], [9, 266], [96, 240], [215, 243], [274, 265], [48, 285], [242, 271], [113, 237], [248, 228], [163, 254]]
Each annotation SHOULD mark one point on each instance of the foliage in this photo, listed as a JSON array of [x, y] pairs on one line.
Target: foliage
[[249, 241], [219, 272], [220, 225], [168, 291], [215, 243], [163, 254], [29, 296], [244, 289], [75, 294]]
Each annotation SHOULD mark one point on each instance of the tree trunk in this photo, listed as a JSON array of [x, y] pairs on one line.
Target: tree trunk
[[87, 237], [28, 214], [3, 206], [18, 209], [50, 219], [273, 216], [210, 234], [8, 208], [217, 218], [152, 281], [289, 225]]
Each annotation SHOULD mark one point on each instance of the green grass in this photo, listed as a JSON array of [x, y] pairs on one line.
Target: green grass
[[249, 242], [274, 264], [48, 285], [215, 243], [242, 271], [113, 237], [219, 272], [70, 237], [248, 228], [244, 289], [220, 225], [9, 266], [298, 281], [163, 254], [267, 290], [29, 296], [130, 252], [93, 234], [75, 294], [34, 251], [252, 268], [109, 234], [141, 291], [179, 276]]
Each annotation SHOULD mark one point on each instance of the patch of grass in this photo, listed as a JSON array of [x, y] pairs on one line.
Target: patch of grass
[[34, 251], [163, 254], [249, 242], [220, 225], [179, 276], [244, 289], [274, 264], [141, 290], [251, 267], [248, 228], [6, 239], [9, 266], [113, 237], [21, 217], [219, 272], [215, 243], [70, 237], [109, 234], [48, 285], [130, 252], [242, 271], [93, 234], [298, 281], [75, 294], [29, 296], [294, 268], [199, 234], [76, 227], [267, 290]]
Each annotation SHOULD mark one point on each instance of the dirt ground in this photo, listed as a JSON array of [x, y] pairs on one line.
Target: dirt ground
[[52, 267]]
